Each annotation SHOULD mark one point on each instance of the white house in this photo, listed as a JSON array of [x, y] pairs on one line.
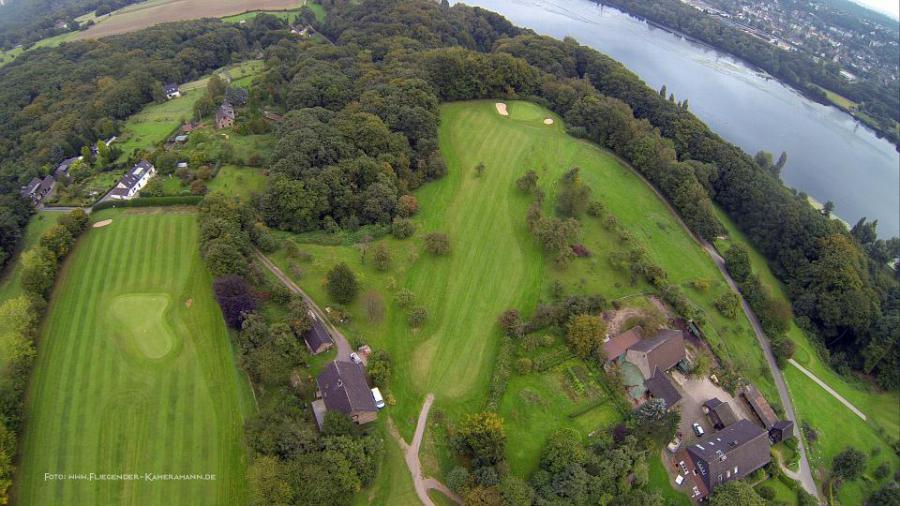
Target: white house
[[171, 90], [133, 181]]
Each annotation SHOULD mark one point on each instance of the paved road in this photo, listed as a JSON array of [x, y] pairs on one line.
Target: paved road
[[343, 345], [805, 474], [411, 454], [828, 389]]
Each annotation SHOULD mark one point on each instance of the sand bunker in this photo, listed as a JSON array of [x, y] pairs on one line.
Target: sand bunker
[[501, 108], [101, 224], [548, 121]]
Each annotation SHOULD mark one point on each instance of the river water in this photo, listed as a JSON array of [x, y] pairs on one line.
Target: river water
[[830, 155]]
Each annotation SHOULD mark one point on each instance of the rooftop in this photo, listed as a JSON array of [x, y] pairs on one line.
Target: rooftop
[[344, 388], [616, 346]]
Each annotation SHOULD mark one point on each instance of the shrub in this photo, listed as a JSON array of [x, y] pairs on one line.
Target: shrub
[[766, 492], [381, 257], [737, 260], [528, 182], [417, 316], [580, 250], [380, 368], [407, 206], [727, 304], [403, 228], [596, 209], [511, 323], [458, 479], [437, 244], [523, 365], [585, 334], [405, 297]]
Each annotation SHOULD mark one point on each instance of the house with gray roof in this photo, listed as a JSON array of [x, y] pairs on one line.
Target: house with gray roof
[[729, 454], [661, 387], [720, 413], [135, 179], [225, 116], [342, 387], [30, 190], [317, 338]]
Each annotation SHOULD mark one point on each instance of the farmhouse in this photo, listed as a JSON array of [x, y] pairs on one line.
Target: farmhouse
[[730, 454], [720, 413], [342, 387], [30, 191], [662, 351], [171, 90], [615, 347], [317, 338], [46, 186], [133, 181], [225, 116], [661, 387]]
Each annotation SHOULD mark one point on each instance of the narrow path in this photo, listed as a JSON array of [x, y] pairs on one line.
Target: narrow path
[[343, 345], [828, 389], [411, 454], [804, 474]]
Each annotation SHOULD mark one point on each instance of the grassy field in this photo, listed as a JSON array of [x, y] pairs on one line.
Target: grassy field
[[135, 373], [240, 181], [153, 12], [837, 426], [10, 285], [156, 122], [496, 264]]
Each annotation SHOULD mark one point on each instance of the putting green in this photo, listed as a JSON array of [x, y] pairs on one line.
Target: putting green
[[139, 324]]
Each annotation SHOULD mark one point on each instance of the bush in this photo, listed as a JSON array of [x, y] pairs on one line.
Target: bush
[[458, 479], [727, 304], [403, 228], [766, 492], [417, 316], [596, 209], [511, 323], [405, 297], [381, 257], [380, 368], [407, 206], [524, 365], [437, 244], [342, 285]]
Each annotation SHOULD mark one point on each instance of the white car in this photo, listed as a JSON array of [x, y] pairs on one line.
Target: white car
[[355, 358], [379, 400], [698, 430]]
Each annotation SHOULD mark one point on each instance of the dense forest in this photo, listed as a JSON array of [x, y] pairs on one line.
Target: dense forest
[[28, 21], [796, 68]]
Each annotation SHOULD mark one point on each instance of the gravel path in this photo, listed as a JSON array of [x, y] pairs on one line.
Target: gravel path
[[828, 389], [343, 345], [411, 454]]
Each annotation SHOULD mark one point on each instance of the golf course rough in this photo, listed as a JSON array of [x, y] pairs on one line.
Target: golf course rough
[[132, 382]]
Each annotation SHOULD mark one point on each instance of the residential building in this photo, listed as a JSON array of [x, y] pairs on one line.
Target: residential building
[[661, 387], [225, 116], [720, 413], [30, 190], [662, 351], [729, 454], [317, 338], [615, 347], [133, 181], [62, 170], [342, 387], [171, 90]]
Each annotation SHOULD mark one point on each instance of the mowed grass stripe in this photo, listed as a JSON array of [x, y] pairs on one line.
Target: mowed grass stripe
[[128, 413]]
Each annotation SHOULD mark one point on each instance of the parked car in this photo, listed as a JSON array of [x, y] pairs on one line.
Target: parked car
[[379, 400], [698, 430], [355, 358]]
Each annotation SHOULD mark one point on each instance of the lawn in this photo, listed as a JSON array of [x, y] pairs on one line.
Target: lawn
[[837, 426], [239, 181], [155, 123], [135, 373], [496, 264], [10, 285]]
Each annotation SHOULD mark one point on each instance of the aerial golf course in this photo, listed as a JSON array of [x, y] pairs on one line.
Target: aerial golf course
[[135, 373]]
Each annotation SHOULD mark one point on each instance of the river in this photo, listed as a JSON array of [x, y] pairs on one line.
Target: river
[[830, 155]]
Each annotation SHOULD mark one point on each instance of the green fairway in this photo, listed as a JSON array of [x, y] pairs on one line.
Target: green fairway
[[496, 264], [135, 374]]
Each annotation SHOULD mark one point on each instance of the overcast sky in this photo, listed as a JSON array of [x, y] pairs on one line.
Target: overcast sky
[[890, 7]]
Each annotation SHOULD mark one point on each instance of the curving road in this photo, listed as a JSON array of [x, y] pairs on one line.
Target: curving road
[[411, 454], [804, 475], [341, 343]]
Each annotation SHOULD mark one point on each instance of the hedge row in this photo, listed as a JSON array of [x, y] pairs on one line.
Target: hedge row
[[182, 200]]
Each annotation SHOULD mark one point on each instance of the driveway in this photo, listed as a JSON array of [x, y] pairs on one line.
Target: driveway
[[697, 391], [341, 343]]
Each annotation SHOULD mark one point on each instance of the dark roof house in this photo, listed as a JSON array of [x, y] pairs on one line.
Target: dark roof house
[[760, 406], [720, 413], [225, 115], [616, 346], [782, 430], [46, 186], [317, 338], [343, 387], [62, 170], [730, 454], [29, 191], [662, 351], [661, 387], [171, 90]]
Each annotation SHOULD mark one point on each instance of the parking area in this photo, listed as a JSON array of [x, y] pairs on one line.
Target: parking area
[[696, 391]]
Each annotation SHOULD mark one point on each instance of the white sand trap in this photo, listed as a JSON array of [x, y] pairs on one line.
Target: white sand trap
[[501, 108], [101, 224], [548, 121]]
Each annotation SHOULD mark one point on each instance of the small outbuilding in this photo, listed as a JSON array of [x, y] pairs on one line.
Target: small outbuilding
[[760, 406], [661, 387], [782, 430], [317, 338], [720, 413]]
